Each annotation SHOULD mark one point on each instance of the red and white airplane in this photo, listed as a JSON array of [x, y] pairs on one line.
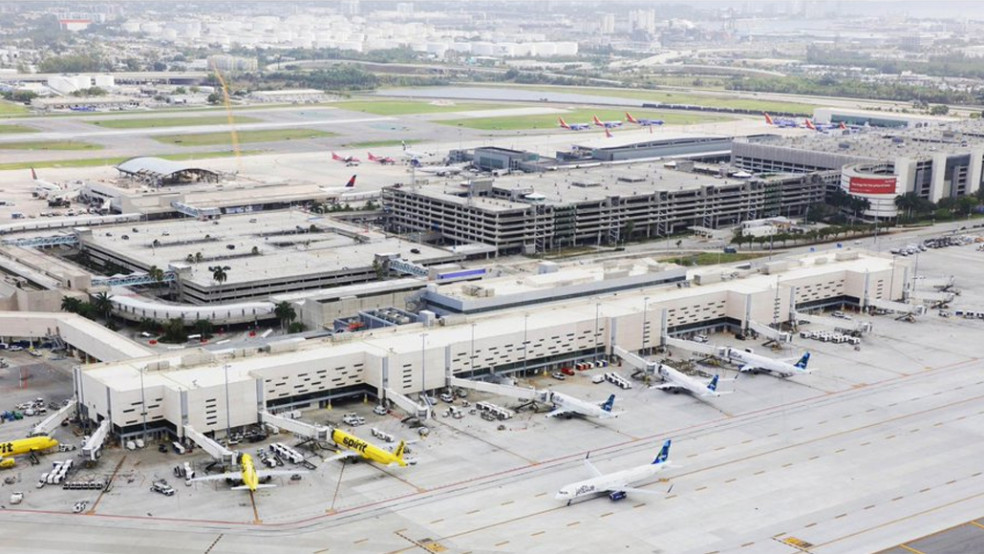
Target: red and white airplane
[[606, 124], [346, 159], [381, 160], [572, 126]]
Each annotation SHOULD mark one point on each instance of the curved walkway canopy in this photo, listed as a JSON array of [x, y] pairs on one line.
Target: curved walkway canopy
[[158, 171]]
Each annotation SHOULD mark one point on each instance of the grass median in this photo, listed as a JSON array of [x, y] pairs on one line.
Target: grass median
[[225, 138], [159, 122]]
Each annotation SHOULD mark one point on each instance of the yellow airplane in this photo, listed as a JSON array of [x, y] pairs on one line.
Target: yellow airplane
[[360, 448], [23, 446], [248, 474]]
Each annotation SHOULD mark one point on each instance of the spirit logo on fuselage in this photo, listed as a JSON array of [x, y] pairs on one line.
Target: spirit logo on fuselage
[[354, 444]]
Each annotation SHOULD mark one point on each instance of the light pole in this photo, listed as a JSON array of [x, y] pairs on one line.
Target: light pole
[[143, 402], [645, 318], [597, 313], [225, 369], [526, 319], [423, 367], [471, 361]]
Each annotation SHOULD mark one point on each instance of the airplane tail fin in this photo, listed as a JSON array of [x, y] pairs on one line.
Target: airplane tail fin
[[713, 385], [371, 157], [809, 125], [563, 124], [630, 119], [34, 174], [664, 454], [403, 143], [596, 120], [607, 406], [768, 120], [608, 134], [335, 156], [350, 183], [842, 126], [399, 450], [415, 162], [803, 361]]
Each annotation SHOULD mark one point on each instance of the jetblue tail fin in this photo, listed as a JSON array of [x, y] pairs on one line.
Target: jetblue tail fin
[[713, 385], [415, 162], [607, 406], [664, 454], [803, 361]]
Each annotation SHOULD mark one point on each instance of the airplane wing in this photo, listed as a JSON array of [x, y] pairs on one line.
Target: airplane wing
[[235, 475], [747, 367], [591, 468], [560, 412], [638, 491], [666, 386], [275, 472], [343, 456]]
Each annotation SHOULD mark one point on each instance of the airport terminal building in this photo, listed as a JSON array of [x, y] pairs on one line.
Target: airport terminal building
[[190, 387], [602, 205]]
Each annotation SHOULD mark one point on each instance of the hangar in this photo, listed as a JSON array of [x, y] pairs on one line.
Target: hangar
[[159, 172]]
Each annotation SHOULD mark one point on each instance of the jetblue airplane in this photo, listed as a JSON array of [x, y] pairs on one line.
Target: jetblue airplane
[[616, 484]]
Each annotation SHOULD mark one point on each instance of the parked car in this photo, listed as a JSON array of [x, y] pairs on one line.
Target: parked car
[[567, 371], [163, 488], [558, 376], [379, 409]]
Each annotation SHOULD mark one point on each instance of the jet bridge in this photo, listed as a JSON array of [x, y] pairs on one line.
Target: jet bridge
[[637, 361], [519, 393], [214, 449], [768, 332], [690, 346], [52, 422], [851, 326], [932, 297], [898, 307], [405, 402], [92, 448], [300, 428]]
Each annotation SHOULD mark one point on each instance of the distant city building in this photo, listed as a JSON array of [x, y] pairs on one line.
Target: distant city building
[[225, 62]]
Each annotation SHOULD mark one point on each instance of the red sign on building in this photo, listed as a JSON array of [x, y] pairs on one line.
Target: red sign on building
[[867, 185]]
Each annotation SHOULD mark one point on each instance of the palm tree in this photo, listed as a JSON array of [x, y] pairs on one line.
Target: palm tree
[[103, 304], [285, 313], [219, 273], [156, 273], [71, 304], [198, 257]]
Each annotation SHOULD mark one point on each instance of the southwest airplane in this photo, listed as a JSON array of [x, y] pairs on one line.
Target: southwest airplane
[[755, 363], [781, 122], [642, 120], [605, 124], [674, 380], [10, 449], [346, 159], [569, 406], [572, 126], [823, 126], [381, 160], [615, 484], [248, 474], [360, 448]]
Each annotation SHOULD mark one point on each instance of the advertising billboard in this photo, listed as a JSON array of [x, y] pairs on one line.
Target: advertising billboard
[[872, 185]]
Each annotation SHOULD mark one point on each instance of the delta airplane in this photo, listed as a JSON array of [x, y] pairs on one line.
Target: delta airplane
[[439, 170], [346, 159], [43, 188], [569, 406], [782, 123], [386, 160], [357, 447], [10, 449], [615, 484], [755, 363], [675, 381], [348, 186], [248, 474], [606, 124], [572, 126], [642, 120]]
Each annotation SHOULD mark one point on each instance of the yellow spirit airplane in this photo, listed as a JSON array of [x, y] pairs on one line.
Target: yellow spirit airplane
[[248, 474], [23, 446], [360, 448]]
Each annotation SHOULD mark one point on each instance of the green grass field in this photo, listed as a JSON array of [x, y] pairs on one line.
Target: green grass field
[[673, 97], [410, 107], [10, 108], [215, 139], [96, 162], [16, 129], [157, 122], [712, 258], [50, 145], [549, 121]]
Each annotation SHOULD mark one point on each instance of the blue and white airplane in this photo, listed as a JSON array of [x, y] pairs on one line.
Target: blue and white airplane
[[675, 381], [572, 126], [749, 362], [568, 406], [782, 123], [642, 120], [606, 124], [616, 485]]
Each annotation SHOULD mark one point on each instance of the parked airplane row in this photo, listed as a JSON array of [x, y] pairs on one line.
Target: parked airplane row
[[607, 124]]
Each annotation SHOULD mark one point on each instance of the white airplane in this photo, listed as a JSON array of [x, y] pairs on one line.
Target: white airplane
[[439, 170], [568, 406], [675, 381], [414, 154], [754, 363], [43, 188], [615, 484]]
